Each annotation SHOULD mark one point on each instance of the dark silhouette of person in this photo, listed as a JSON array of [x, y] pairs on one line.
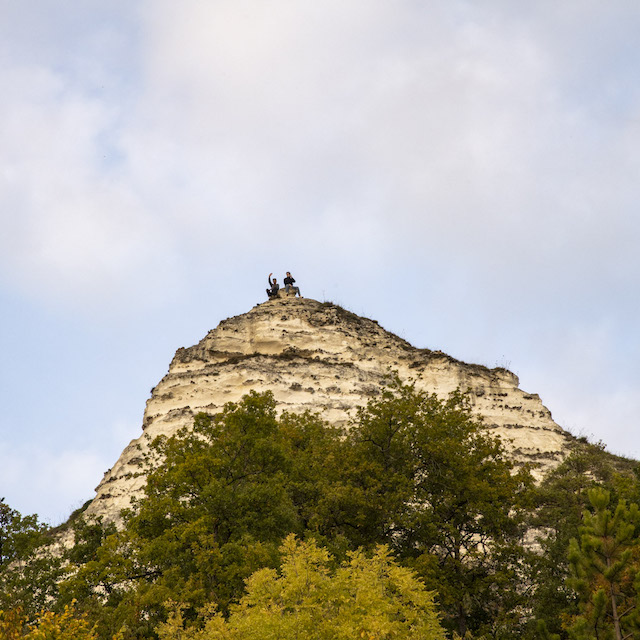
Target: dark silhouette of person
[[288, 284], [274, 286]]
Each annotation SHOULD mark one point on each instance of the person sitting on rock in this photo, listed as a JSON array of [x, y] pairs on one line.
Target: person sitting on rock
[[273, 291], [288, 285]]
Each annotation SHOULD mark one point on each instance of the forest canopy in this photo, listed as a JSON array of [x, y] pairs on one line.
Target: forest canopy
[[414, 511]]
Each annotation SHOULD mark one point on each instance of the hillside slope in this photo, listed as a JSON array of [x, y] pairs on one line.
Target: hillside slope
[[318, 356]]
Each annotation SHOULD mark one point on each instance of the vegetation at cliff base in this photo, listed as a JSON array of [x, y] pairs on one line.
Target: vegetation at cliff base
[[67, 625], [310, 596], [412, 522], [29, 569]]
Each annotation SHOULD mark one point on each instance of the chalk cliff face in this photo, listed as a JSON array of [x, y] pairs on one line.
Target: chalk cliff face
[[318, 356]]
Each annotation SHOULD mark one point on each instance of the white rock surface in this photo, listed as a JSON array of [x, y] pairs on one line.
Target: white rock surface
[[318, 356]]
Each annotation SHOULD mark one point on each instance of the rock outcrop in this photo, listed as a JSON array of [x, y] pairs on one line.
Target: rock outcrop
[[318, 356]]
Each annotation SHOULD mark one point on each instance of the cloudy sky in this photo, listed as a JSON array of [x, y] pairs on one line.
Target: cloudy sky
[[466, 173]]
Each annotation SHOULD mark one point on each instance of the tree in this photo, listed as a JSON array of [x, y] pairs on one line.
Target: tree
[[47, 625], [29, 569], [215, 510], [371, 598], [558, 503], [606, 571], [222, 501], [445, 497], [100, 579], [416, 473], [13, 624]]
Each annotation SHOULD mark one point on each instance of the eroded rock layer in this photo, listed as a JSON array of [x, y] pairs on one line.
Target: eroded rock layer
[[318, 356]]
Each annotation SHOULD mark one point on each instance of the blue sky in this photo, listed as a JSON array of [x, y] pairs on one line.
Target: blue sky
[[465, 173]]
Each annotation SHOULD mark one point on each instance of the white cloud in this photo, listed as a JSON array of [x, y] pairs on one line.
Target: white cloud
[[74, 227], [446, 126], [296, 111], [476, 161], [34, 480]]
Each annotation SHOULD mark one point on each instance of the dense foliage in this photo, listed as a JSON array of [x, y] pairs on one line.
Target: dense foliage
[[67, 625], [448, 502], [605, 570], [309, 597], [29, 569], [414, 498]]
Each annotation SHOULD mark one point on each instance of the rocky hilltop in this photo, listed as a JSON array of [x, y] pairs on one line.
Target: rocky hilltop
[[318, 356]]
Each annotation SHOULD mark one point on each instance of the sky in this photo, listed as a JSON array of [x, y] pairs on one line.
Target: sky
[[466, 173]]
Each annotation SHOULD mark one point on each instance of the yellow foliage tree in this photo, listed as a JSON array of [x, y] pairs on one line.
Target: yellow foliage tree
[[48, 625], [369, 598]]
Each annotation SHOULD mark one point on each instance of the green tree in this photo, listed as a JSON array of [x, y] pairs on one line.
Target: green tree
[[371, 598], [441, 492], [417, 473], [215, 510], [556, 516], [223, 499], [606, 571], [101, 577], [29, 568]]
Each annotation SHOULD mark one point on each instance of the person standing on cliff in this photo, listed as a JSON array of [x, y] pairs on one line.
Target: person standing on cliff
[[273, 291], [288, 284]]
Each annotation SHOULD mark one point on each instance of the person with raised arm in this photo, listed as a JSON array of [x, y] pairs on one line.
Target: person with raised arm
[[272, 292]]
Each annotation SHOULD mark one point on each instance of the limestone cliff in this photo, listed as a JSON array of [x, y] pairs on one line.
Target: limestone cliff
[[318, 356]]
